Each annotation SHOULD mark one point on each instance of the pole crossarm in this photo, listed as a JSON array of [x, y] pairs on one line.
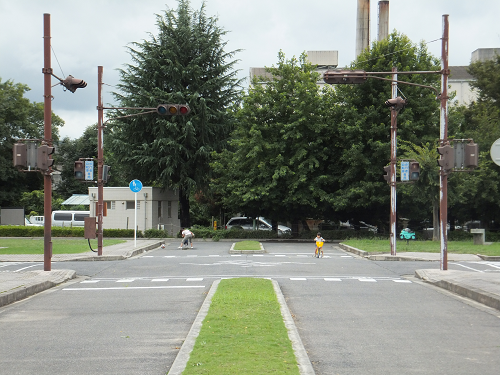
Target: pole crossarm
[[438, 94]]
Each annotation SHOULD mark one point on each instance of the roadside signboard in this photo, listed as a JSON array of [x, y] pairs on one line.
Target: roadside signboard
[[89, 170], [495, 152], [135, 186], [405, 171]]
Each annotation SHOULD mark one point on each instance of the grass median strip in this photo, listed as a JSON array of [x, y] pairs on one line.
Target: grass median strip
[[59, 245], [243, 333], [456, 247], [247, 245]]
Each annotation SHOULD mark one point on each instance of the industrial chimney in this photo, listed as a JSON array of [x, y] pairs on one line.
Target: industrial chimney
[[363, 26], [383, 20]]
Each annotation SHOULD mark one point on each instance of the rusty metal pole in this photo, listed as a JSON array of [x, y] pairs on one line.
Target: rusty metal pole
[[100, 161], [394, 127], [47, 128], [443, 129]]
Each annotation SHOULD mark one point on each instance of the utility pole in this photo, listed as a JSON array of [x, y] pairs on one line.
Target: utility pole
[[47, 135], [394, 132], [443, 132]]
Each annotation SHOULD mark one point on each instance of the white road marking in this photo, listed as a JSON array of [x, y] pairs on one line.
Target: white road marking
[[159, 280], [20, 269], [332, 279], [195, 279], [469, 268], [298, 278], [89, 281], [141, 287], [125, 280]]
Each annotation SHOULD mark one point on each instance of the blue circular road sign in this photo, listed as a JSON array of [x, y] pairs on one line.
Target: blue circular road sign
[[135, 186]]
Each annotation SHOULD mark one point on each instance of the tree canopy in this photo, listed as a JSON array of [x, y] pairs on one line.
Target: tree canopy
[[19, 119], [185, 63]]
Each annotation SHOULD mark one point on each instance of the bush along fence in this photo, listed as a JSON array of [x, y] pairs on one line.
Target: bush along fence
[[216, 235]]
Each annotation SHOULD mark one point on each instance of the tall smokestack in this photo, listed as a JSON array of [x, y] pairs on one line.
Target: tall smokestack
[[383, 20], [363, 26]]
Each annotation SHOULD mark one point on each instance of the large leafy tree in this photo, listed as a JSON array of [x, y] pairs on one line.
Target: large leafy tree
[[184, 63], [478, 193], [361, 121], [19, 119], [276, 162]]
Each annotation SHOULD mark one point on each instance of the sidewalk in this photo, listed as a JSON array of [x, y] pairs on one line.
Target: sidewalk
[[481, 287], [15, 286]]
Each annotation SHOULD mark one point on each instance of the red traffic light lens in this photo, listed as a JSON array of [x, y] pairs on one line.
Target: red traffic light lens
[[183, 110]]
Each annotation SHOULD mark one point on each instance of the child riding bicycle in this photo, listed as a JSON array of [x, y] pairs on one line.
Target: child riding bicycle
[[319, 245]]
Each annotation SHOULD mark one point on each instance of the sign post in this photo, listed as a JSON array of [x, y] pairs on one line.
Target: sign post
[[135, 186]]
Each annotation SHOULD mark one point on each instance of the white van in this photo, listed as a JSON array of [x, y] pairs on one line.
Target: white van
[[69, 218], [37, 220]]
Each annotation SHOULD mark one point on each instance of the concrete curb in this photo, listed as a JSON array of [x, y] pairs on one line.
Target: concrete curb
[[180, 362], [47, 280], [466, 290], [305, 366], [182, 358], [353, 250]]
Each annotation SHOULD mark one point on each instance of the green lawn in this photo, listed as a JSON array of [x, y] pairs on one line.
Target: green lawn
[[59, 245], [243, 333], [247, 245], [457, 247]]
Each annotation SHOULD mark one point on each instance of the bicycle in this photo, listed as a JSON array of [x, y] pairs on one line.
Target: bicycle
[[319, 250]]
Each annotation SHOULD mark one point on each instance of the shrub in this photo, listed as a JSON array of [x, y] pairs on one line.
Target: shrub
[[155, 233]]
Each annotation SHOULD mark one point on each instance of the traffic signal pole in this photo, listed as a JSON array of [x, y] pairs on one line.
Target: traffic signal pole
[[394, 130], [443, 130], [100, 161], [47, 128]]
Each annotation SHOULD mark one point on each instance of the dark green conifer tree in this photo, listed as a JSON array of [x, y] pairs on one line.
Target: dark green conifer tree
[[185, 63]]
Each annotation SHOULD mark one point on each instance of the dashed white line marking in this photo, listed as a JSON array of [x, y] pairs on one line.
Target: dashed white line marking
[[367, 279], [141, 287], [332, 279], [298, 278], [89, 282], [194, 279], [160, 280], [125, 280], [402, 281]]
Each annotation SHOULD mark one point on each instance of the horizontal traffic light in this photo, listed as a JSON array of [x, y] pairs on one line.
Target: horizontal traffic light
[[173, 109], [344, 76]]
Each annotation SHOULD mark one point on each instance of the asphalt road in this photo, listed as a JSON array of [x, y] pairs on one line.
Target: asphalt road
[[354, 316]]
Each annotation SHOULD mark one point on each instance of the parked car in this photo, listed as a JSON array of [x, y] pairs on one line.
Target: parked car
[[260, 224], [69, 218]]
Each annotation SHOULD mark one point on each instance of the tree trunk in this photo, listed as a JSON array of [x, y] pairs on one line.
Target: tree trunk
[[184, 209]]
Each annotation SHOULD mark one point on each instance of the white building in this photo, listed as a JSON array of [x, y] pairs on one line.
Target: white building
[[156, 208]]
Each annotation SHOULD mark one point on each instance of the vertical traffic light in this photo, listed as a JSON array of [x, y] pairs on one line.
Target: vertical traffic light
[[105, 173], [387, 176], [72, 83], [471, 155], [44, 161], [447, 160], [414, 170], [79, 170], [19, 155]]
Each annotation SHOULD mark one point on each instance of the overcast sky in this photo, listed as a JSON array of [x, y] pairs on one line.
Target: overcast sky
[[86, 34]]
